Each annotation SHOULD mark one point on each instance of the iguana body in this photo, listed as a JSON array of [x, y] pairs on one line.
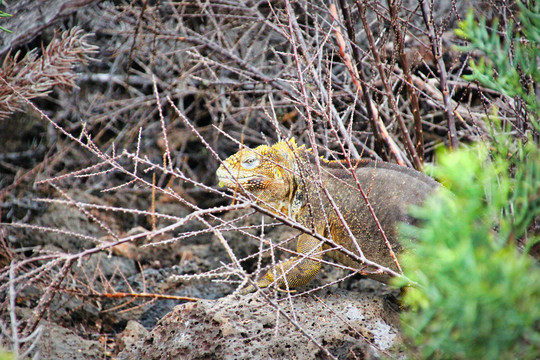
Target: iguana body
[[285, 178]]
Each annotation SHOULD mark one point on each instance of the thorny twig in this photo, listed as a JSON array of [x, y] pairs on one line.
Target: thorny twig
[[404, 131], [436, 46], [246, 61], [379, 129], [15, 340], [399, 46]]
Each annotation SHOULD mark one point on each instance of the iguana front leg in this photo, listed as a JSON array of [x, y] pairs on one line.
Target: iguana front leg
[[296, 271]]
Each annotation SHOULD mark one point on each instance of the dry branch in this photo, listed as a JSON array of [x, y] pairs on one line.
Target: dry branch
[[436, 45], [379, 129], [35, 76], [30, 17]]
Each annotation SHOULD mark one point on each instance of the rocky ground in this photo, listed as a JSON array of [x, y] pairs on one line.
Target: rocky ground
[[346, 324], [356, 319]]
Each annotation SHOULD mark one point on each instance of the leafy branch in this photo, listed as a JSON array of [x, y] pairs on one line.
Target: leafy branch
[[509, 66], [4, 14]]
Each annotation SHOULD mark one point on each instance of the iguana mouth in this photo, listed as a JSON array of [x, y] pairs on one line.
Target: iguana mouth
[[226, 180]]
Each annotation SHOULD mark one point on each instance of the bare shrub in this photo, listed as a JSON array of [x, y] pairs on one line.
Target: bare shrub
[[182, 85]]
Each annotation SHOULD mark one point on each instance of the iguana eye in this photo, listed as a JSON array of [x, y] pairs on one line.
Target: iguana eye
[[250, 162]]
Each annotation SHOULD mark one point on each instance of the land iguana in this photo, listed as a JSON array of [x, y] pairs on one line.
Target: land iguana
[[286, 178]]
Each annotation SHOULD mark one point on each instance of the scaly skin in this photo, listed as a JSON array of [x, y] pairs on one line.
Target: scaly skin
[[284, 178]]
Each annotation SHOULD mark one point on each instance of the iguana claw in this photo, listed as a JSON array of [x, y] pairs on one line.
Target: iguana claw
[[247, 290]]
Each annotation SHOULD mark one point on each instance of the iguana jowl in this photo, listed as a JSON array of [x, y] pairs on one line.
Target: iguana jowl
[[284, 177]]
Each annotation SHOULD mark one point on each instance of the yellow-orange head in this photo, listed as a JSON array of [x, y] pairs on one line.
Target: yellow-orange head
[[265, 172]]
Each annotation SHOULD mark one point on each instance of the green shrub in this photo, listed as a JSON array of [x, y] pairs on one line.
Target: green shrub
[[509, 65], [4, 355], [478, 295], [4, 14]]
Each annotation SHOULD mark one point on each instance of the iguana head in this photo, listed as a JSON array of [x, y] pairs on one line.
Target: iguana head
[[266, 172]]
